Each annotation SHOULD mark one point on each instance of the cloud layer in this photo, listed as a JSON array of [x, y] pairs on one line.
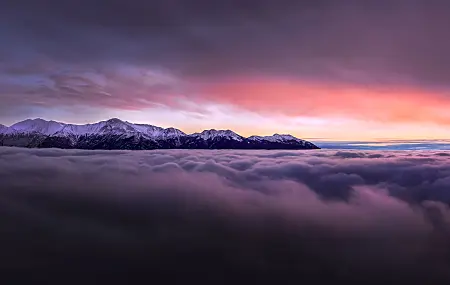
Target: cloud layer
[[207, 38], [224, 216], [133, 54]]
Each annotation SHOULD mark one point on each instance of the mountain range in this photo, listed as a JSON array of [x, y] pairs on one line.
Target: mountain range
[[118, 134]]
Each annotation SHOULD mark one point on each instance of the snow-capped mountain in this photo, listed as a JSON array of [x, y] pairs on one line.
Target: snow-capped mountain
[[212, 134], [3, 129], [37, 126], [118, 134], [275, 138], [111, 126]]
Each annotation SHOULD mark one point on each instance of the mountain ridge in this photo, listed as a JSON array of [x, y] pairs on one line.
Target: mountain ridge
[[117, 134]]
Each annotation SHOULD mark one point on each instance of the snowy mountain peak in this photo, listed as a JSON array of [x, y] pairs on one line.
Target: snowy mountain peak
[[213, 133], [172, 132], [37, 126], [3, 129], [275, 138], [114, 121], [285, 137], [116, 126]]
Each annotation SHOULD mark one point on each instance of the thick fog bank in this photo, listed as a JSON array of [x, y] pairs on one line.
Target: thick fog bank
[[87, 217]]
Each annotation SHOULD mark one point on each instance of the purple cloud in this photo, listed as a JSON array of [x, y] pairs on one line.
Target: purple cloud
[[376, 43], [214, 216]]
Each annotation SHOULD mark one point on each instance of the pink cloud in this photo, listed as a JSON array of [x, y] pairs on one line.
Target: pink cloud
[[390, 104]]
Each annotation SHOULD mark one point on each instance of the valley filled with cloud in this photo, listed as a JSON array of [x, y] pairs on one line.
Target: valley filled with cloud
[[224, 216]]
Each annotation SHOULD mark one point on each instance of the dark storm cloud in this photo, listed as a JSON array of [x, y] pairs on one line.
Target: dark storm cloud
[[352, 41], [222, 216]]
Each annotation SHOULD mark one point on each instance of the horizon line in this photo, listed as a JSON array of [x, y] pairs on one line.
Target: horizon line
[[312, 139]]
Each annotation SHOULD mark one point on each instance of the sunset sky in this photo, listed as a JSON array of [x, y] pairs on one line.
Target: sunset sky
[[319, 69]]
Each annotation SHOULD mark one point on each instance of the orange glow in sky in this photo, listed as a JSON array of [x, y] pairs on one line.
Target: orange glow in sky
[[343, 111]]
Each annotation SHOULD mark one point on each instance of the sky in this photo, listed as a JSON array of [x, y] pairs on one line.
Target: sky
[[322, 70]]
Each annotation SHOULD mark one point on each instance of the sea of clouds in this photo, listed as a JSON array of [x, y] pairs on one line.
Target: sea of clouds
[[222, 216]]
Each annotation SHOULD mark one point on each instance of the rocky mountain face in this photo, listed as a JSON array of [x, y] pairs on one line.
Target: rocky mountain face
[[118, 134]]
